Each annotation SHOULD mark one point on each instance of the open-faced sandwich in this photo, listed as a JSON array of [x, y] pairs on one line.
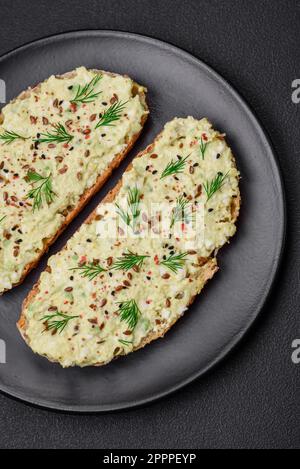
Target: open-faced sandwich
[[59, 142], [140, 259]]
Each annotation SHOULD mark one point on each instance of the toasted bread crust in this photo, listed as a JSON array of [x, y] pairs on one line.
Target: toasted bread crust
[[209, 268], [89, 193]]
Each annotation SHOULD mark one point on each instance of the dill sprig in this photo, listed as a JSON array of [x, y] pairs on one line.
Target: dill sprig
[[128, 261], [90, 271], [8, 137], [125, 342], [211, 187], [180, 212], [59, 324], [203, 147], [112, 114], [41, 193], [1, 219], [86, 94], [130, 217], [60, 135], [133, 200], [175, 262], [174, 167], [123, 214], [129, 312]]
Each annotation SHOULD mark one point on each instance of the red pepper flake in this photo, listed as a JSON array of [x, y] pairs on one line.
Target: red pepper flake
[[148, 302], [182, 227], [73, 107], [82, 260], [66, 145], [204, 137], [156, 259]]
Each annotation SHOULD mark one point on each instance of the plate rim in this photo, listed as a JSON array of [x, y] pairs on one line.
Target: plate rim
[[226, 351]]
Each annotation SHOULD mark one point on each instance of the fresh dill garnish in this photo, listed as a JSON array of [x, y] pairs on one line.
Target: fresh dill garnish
[[112, 114], [129, 260], [174, 167], [124, 215], [58, 324], [60, 135], [133, 200], [125, 342], [90, 271], [203, 147], [175, 262], [8, 137], [1, 219], [211, 187], [130, 217], [86, 94], [180, 212], [129, 312], [42, 192]]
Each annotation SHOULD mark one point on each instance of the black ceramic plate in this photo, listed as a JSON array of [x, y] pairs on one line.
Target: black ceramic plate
[[179, 85]]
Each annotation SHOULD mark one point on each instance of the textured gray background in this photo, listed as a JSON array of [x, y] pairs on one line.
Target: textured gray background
[[252, 398]]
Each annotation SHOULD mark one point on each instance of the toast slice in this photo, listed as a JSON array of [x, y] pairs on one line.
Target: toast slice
[[59, 143], [142, 256]]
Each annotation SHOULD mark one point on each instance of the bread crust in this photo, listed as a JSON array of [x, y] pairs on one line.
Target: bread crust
[[208, 271], [90, 192]]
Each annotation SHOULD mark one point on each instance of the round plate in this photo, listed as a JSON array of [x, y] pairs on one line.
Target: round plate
[[179, 85]]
